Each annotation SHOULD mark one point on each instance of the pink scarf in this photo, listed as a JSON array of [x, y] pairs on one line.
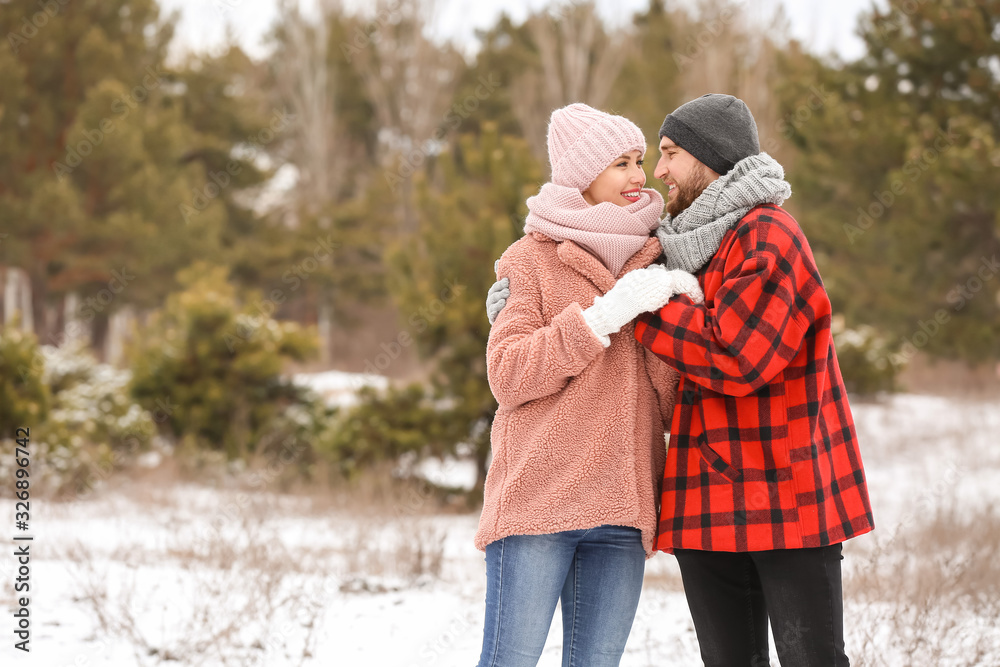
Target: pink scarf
[[612, 233]]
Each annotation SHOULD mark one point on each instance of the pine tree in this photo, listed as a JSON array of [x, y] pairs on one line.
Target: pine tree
[[117, 170], [895, 176], [649, 86], [471, 206], [559, 55]]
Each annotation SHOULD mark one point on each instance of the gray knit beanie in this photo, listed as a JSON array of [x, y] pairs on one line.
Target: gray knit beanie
[[718, 130]]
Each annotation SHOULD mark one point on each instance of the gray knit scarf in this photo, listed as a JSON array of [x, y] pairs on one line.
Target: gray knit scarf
[[691, 238]]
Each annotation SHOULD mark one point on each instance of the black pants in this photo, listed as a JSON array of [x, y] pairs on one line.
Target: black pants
[[732, 595]]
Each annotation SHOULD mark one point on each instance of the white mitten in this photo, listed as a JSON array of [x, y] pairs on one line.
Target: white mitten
[[639, 291], [687, 283]]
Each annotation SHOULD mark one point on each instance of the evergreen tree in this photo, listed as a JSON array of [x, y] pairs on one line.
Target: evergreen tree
[[505, 51], [217, 361], [649, 86], [471, 206], [116, 170], [559, 55], [322, 250], [895, 176]]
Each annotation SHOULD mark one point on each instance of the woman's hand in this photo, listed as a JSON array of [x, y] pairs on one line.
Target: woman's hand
[[639, 291]]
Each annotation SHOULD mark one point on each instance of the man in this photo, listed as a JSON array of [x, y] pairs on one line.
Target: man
[[764, 479]]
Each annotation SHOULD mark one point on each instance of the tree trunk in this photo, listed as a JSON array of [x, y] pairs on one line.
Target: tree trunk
[[325, 326], [33, 297], [71, 326], [482, 459], [119, 324], [99, 334], [9, 295], [580, 62]]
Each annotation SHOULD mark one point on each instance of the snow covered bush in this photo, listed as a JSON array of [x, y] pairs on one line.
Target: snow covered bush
[[94, 426], [24, 397], [213, 364], [865, 360], [384, 426], [83, 423]]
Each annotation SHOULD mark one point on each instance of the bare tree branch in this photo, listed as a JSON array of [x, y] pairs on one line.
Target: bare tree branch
[[579, 62]]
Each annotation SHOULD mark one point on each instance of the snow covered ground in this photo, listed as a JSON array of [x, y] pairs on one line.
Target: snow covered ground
[[338, 387], [193, 575]]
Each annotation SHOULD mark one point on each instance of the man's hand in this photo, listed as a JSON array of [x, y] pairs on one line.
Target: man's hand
[[497, 299]]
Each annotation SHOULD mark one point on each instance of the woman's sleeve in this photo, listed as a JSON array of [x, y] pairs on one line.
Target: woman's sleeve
[[664, 379], [527, 359]]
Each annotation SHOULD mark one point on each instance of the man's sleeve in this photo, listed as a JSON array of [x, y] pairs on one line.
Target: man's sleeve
[[755, 324]]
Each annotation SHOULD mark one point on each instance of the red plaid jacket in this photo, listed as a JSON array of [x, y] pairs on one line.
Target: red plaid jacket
[[763, 452]]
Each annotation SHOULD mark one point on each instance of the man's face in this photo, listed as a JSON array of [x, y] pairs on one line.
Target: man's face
[[684, 176]]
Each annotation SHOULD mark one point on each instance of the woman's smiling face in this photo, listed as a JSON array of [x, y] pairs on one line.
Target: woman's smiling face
[[620, 183]]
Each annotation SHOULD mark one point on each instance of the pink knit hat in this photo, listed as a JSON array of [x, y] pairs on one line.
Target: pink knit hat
[[584, 141]]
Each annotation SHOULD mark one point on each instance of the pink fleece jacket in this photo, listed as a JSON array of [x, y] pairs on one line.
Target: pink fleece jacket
[[578, 439]]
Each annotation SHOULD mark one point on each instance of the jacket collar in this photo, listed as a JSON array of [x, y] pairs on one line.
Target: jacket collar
[[592, 268]]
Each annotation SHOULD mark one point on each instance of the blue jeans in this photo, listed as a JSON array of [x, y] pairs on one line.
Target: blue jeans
[[596, 573]]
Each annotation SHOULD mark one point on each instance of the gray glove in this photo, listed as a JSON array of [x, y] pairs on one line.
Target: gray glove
[[639, 291], [497, 297]]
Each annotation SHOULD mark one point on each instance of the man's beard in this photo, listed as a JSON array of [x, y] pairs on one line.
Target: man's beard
[[685, 193]]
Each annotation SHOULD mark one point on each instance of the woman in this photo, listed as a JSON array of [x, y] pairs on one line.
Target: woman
[[578, 451]]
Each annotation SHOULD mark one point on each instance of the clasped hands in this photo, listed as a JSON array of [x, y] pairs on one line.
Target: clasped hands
[[638, 291]]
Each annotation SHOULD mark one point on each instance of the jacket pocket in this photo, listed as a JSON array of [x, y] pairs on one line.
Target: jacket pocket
[[711, 457], [716, 462]]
